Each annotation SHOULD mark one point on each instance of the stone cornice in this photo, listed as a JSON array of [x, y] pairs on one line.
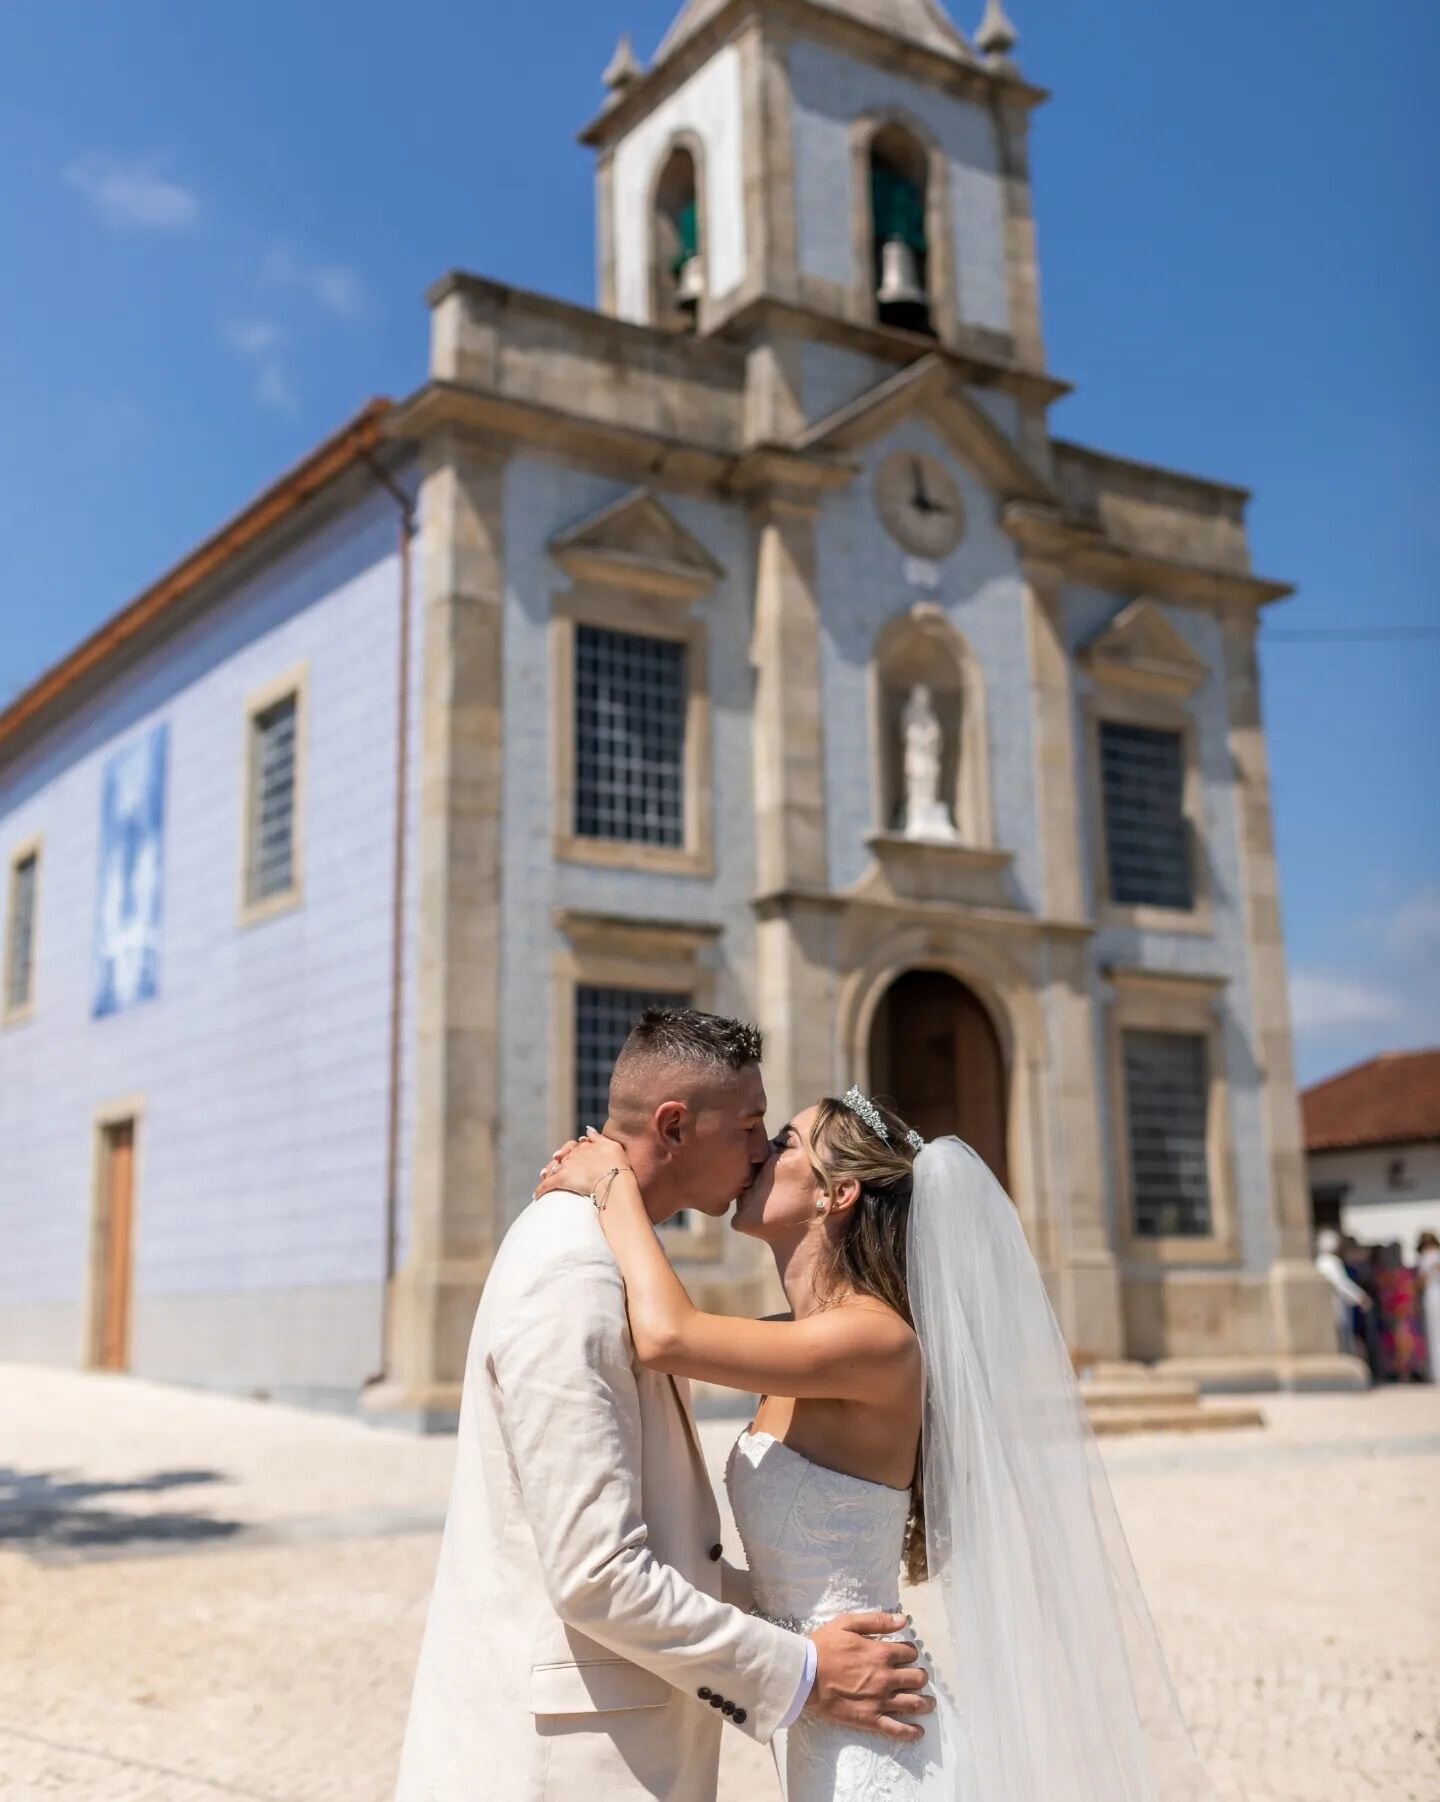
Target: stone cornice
[[718, 358], [799, 898], [795, 18], [613, 448], [806, 475], [660, 939], [1175, 984], [546, 431], [1084, 553], [803, 474], [978, 366]]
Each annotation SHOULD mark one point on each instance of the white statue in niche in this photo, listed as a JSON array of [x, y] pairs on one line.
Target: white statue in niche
[[926, 814]]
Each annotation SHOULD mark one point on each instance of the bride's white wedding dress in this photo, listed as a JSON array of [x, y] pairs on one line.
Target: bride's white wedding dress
[[820, 1544]]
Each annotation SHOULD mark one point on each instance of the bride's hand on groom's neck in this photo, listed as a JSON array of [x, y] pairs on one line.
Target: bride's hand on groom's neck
[[579, 1164]]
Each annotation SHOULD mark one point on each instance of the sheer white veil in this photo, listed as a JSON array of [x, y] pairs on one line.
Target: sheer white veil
[[1051, 1681]]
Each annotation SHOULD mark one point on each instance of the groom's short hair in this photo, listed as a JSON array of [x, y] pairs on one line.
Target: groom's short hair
[[682, 1035]]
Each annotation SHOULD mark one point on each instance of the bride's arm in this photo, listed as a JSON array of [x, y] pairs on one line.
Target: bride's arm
[[859, 1352]]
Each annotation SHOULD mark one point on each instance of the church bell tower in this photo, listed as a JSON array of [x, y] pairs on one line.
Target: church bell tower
[[849, 170]]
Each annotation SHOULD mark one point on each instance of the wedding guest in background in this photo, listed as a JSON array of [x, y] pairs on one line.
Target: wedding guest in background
[[1346, 1292], [1429, 1269], [1398, 1294]]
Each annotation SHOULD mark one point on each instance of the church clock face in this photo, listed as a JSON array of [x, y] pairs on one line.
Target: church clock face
[[919, 501]]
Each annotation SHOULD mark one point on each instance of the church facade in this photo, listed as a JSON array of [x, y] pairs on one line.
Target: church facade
[[751, 640]]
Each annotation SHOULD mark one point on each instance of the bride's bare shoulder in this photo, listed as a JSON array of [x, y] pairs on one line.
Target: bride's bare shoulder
[[880, 1328]]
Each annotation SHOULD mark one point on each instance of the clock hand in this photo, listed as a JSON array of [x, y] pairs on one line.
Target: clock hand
[[922, 500]]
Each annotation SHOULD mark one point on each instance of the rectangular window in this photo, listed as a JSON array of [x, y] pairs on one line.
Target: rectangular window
[[270, 857], [603, 1017], [631, 695], [1167, 1104], [1147, 836], [20, 938]]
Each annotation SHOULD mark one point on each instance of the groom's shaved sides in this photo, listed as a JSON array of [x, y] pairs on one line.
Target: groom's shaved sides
[[677, 1039]]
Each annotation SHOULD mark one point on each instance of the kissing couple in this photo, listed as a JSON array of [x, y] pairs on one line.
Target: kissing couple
[[587, 1639]]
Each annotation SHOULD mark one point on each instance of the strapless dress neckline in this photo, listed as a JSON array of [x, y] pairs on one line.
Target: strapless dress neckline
[[753, 1432]]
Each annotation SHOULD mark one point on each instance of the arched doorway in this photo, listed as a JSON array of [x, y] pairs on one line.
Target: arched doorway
[[935, 1053]]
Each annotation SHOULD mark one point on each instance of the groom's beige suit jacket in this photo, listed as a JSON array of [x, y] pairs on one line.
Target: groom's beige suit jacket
[[577, 1624]]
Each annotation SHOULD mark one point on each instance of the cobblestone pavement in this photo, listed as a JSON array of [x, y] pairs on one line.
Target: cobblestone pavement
[[202, 1598]]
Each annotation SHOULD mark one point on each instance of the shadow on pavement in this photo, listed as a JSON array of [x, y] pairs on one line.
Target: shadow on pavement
[[49, 1512]]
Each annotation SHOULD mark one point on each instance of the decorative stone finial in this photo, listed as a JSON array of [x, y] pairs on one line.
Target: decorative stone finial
[[624, 67], [997, 37]]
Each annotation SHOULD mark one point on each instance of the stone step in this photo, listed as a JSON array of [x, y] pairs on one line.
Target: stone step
[[1164, 1391], [1118, 1370], [1196, 1417]]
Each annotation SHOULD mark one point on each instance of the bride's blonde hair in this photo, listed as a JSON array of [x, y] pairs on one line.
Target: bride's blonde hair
[[868, 1257]]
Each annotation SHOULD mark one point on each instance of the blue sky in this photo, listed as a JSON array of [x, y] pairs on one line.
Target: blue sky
[[218, 222]]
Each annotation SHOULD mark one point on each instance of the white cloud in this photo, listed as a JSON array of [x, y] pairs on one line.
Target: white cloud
[[1321, 1001], [133, 194], [1414, 926], [334, 286], [273, 389], [260, 343], [114, 419], [251, 337], [1385, 993]]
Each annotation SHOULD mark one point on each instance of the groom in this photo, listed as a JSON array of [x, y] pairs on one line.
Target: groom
[[586, 1640]]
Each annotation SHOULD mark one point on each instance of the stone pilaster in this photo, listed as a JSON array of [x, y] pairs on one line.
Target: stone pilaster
[[1022, 260], [789, 729], [1300, 1307], [1079, 1234], [795, 988], [769, 171], [1057, 755], [455, 1220]]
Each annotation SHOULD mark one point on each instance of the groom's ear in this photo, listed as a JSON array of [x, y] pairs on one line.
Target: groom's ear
[[670, 1120]]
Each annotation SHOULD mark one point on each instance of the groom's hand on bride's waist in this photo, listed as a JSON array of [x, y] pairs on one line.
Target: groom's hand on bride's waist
[[877, 1685]]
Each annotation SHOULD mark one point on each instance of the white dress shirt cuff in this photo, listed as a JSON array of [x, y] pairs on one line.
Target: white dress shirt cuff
[[807, 1683]]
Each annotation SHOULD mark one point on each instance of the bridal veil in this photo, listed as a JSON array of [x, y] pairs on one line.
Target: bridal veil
[[1051, 1683]]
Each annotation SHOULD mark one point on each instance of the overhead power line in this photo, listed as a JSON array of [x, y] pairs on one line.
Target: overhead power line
[[1349, 635]]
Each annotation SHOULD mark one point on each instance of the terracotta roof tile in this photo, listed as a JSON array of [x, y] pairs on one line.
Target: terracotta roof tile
[[1393, 1099]]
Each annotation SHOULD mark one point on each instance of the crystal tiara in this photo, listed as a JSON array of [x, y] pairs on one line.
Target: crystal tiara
[[870, 1114]]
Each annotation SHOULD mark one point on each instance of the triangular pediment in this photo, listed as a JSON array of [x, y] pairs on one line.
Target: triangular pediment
[[637, 543], [1141, 649], [929, 390]]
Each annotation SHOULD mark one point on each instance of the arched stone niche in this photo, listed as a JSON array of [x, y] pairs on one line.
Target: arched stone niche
[[922, 646]]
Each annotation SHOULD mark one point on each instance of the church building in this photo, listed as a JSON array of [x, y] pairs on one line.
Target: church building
[[748, 640]]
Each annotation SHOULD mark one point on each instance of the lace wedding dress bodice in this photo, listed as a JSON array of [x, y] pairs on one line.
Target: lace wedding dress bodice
[[819, 1544]]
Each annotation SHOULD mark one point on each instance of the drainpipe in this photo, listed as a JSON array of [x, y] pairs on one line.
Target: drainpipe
[[397, 927]]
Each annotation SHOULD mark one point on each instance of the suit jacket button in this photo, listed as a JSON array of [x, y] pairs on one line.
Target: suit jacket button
[[704, 1694], [715, 1553], [727, 1708], [717, 1701], [738, 1716]]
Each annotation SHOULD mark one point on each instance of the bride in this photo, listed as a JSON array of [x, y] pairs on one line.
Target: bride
[[920, 1418]]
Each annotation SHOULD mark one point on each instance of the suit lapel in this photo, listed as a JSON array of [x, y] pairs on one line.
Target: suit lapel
[[681, 1388]]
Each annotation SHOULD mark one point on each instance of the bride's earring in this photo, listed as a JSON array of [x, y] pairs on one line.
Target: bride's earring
[[820, 1205]]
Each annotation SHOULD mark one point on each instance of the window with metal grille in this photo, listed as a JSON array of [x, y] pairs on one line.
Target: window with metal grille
[[630, 703], [20, 965], [1147, 836], [1167, 1101], [603, 1018], [271, 862]]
